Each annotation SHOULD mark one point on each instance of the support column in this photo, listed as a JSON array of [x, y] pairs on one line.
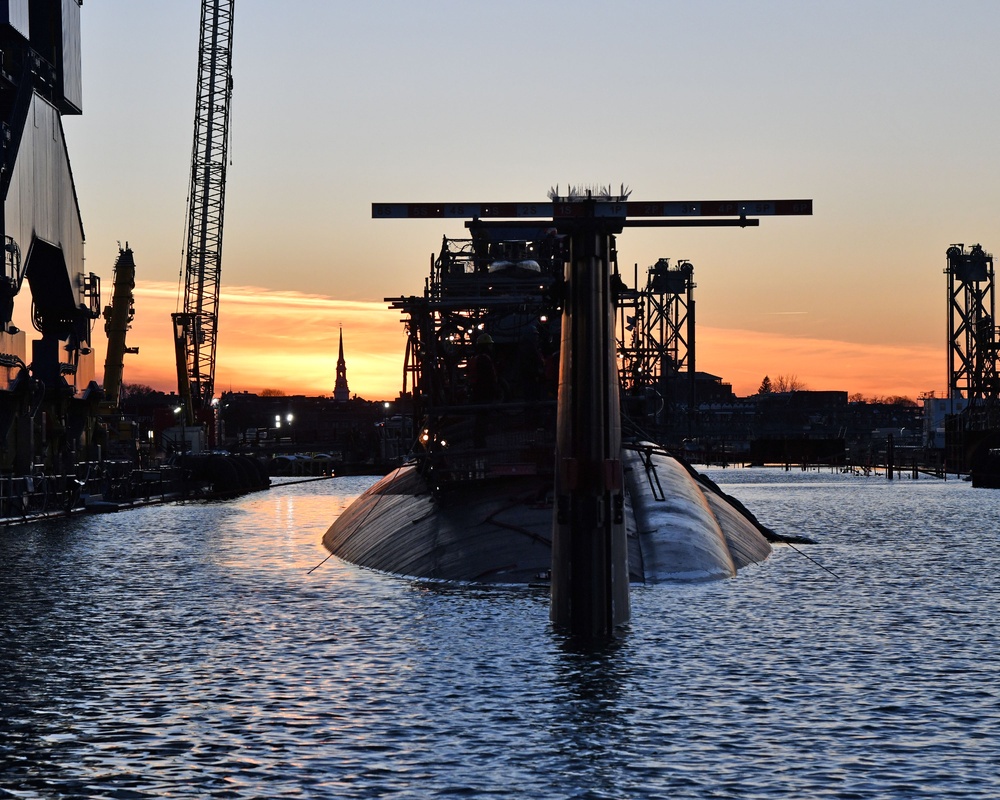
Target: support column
[[590, 579]]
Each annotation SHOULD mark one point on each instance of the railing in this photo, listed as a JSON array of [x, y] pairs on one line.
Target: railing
[[40, 495], [25, 497]]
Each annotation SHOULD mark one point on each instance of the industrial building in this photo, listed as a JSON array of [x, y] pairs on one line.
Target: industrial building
[[49, 399]]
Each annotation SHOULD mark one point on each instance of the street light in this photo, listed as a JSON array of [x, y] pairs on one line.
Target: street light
[[384, 439], [179, 411]]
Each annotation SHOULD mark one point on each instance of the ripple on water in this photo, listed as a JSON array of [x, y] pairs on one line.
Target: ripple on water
[[192, 653]]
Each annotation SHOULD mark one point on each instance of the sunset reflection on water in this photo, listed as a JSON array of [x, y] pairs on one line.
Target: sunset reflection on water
[[211, 649]]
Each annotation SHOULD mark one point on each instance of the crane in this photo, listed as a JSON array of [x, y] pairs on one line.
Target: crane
[[196, 324]]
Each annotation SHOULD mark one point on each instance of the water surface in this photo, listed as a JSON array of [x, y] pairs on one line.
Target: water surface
[[193, 650]]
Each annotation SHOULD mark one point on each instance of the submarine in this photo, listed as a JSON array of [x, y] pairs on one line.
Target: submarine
[[521, 473]]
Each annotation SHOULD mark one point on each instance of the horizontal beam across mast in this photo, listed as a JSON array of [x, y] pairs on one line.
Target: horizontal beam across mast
[[592, 208]]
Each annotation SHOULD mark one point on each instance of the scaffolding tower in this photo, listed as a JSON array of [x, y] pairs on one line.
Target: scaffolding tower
[[972, 333], [656, 341]]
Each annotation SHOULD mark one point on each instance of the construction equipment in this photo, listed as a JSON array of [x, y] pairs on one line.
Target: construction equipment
[[46, 385], [656, 340], [196, 324], [117, 321], [972, 436], [589, 560]]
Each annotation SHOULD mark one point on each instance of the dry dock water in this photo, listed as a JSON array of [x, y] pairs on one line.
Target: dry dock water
[[188, 651]]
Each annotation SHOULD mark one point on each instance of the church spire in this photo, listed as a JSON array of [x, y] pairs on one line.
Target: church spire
[[340, 391]]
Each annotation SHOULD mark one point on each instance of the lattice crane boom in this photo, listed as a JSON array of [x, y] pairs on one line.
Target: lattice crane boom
[[196, 324]]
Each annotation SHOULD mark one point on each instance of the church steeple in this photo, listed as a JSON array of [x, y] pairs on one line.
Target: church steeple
[[340, 391]]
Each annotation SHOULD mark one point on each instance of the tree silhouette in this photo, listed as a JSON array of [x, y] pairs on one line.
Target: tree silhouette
[[788, 383]]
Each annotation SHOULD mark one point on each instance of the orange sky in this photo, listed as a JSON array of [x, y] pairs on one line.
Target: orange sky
[[274, 340], [850, 298], [288, 340]]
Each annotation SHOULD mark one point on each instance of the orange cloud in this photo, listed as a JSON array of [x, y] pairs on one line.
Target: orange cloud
[[275, 340], [288, 340]]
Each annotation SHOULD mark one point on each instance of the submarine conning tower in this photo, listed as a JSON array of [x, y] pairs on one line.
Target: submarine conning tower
[[590, 571]]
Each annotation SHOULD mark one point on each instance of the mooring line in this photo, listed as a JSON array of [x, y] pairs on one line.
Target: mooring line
[[835, 575], [378, 500], [311, 479], [320, 564]]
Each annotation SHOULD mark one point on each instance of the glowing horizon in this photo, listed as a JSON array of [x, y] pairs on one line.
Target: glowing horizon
[[277, 340], [288, 341]]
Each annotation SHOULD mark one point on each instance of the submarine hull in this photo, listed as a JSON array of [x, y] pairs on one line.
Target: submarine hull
[[687, 529], [679, 528]]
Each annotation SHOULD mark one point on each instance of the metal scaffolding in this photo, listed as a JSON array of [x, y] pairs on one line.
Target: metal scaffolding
[[972, 337], [656, 339]]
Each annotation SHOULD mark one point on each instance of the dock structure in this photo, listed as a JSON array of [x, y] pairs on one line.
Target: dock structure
[[589, 568]]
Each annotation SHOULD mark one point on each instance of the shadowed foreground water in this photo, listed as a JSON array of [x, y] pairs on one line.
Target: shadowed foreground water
[[187, 651]]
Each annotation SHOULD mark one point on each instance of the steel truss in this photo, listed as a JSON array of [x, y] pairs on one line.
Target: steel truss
[[196, 327], [973, 339], [656, 334]]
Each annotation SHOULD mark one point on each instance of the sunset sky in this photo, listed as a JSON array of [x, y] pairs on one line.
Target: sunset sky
[[885, 113]]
